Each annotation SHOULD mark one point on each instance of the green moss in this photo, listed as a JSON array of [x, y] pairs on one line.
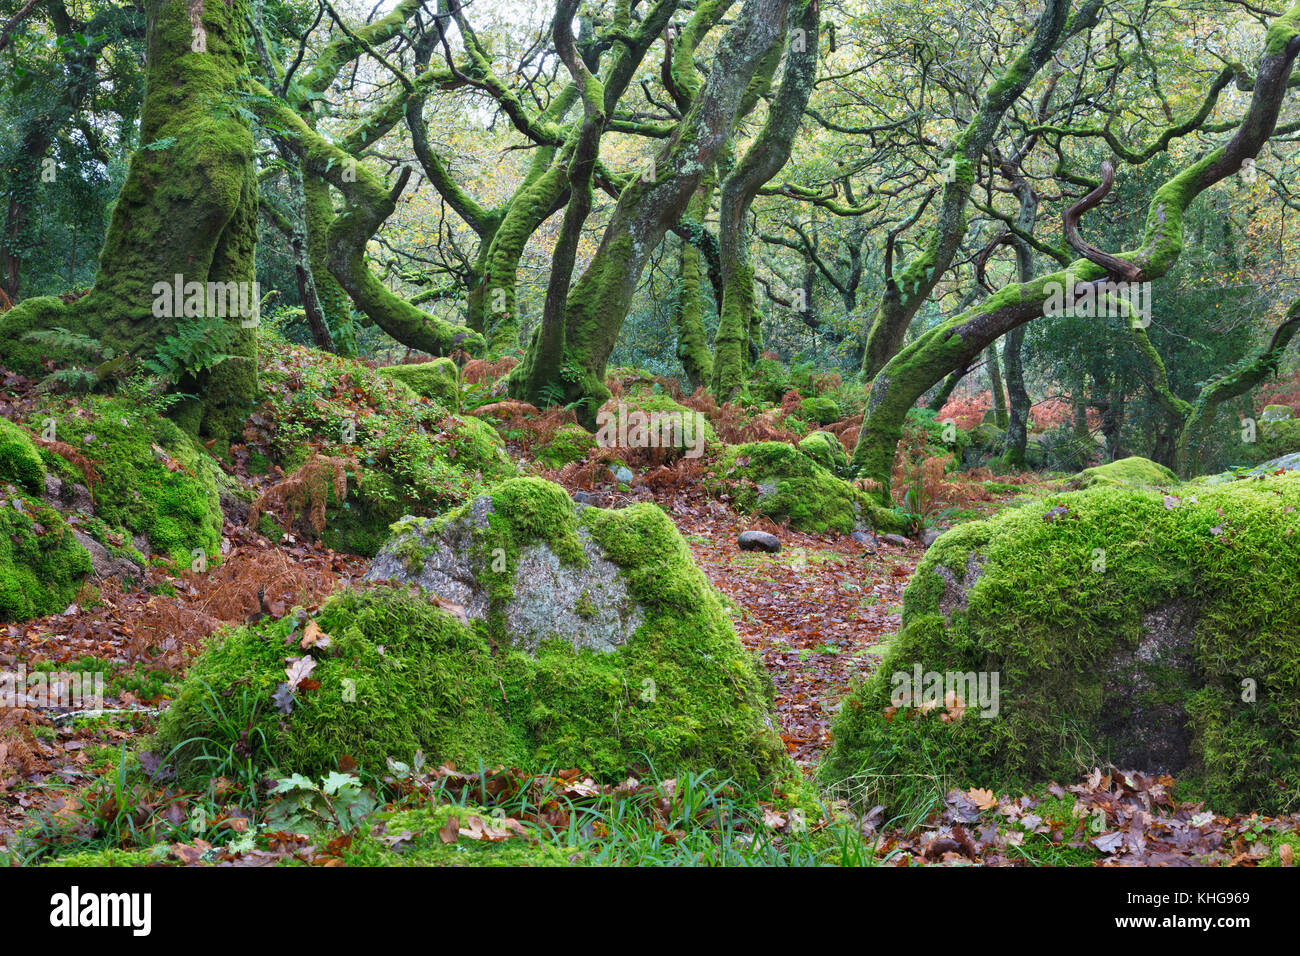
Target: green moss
[[114, 857], [438, 380], [20, 462], [569, 443], [777, 480], [1057, 601], [153, 480], [681, 694], [421, 845], [823, 410], [1131, 472], [825, 449], [41, 564]]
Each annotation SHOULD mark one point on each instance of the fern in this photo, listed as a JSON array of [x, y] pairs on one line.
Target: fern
[[198, 344], [76, 381], [64, 340]]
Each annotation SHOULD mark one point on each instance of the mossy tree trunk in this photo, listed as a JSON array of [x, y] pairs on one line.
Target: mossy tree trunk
[[993, 362], [688, 316], [738, 317], [954, 343], [188, 207], [647, 208]]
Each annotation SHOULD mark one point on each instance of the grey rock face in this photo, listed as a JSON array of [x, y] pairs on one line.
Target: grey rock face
[[1145, 723], [955, 592], [588, 606], [64, 496], [105, 564], [759, 541], [1289, 462]]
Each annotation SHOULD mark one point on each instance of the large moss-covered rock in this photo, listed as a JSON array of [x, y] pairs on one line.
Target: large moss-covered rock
[[644, 419], [151, 479], [1156, 630], [1277, 438], [41, 564], [821, 409], [1134, 472], [671, 684], [780, 481], [825, 449], [438, 380]]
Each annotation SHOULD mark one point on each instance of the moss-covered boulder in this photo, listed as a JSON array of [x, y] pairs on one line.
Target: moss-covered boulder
[[1154, 630], [642, 419], [149, 478], [20, 462], [569, 443], [825, 449], [41, 564], [438, 380], [780, 481], [1276, 438], [1276, 413], [1134, 472], [821, 409], [670, 684]]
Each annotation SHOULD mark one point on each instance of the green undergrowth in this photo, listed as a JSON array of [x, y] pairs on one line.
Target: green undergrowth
[[1055, 597], [568, 444], [412, 455], [402, 675]]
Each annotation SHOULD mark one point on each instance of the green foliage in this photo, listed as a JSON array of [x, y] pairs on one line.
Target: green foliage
[[339, 803], [199, 343], [569, 443]]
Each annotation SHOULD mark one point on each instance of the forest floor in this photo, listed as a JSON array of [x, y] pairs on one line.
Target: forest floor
[[819, 614]]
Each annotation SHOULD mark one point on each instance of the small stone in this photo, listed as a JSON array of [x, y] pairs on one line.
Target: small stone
[[895, 539], [583, 498], [759, 541], [865, 538], [930, 536], [622, 473]]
